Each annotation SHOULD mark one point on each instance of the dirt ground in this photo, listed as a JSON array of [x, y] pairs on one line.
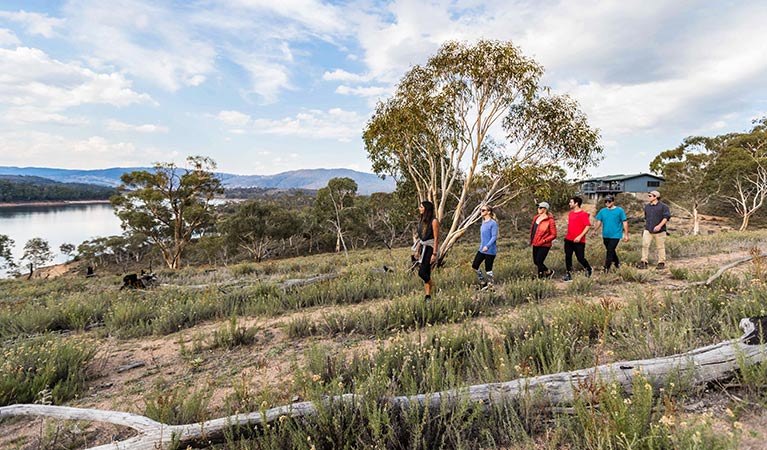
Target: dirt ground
[[125, 370]]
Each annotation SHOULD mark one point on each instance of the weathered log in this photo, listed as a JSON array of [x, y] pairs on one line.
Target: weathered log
[[725, 268], [699, 366], [296, 282]]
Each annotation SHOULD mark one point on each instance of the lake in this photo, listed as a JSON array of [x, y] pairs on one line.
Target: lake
[[71, 224]]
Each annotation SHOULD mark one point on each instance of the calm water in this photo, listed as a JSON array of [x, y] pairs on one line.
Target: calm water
[[72, 224]]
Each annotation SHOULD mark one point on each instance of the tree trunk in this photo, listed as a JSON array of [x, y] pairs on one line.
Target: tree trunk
[[744, 223], [699, 366], [695, 221]]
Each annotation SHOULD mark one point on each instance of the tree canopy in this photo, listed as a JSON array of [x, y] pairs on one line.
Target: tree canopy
[[169, 205], [475, 117]]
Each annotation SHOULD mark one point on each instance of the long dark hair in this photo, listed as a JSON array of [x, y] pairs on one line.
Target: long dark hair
[[427, 217]]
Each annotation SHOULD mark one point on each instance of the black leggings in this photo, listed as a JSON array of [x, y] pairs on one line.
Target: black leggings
[[424, 271], [579, 248], [479, 257], [611, 257], [539, 256]]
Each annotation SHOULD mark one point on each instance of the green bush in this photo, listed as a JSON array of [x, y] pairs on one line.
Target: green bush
[[46, 362]]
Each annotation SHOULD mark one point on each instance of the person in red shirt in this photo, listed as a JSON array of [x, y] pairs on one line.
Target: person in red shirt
[[578, 224]]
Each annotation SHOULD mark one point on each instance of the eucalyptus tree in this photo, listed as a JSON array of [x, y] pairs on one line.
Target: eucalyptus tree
[[37, 251], [169, 205], [743, 163], [476, 117], [6, 258], [333, 206], [256, 225], [691, 180]]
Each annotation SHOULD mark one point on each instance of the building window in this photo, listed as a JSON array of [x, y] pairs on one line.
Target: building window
[[653, 184]]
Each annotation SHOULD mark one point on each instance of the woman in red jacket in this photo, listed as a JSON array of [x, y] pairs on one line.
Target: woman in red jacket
[[542, 232]]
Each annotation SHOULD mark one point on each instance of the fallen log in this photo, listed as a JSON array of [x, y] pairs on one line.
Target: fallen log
[[725, 268], [296, 282], [699, 366]]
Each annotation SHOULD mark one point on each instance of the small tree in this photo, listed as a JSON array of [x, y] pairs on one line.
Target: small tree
[[67, 249], [170, 205], [333, 205], [37, 252], [6, 258], [741, 166], [690, 176], [255, 226], [437, 131]]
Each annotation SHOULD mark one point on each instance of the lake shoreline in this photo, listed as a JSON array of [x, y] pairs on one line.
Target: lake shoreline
[[52, 203]]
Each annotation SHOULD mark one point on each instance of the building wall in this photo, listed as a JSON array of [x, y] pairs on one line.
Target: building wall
[[640, 184]]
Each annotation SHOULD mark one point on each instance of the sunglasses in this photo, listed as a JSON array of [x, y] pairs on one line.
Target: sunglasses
[[484, 209], [650, 195]]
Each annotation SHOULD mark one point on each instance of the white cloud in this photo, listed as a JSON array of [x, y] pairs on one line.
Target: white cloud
[[267, 76], [25, 148], [342, 75], [315, 15], [8, 38], [34, 23], [143, 39], [372, 91], [116, 125], [37, 116], [233, 118], [335, 124], [30, 78]]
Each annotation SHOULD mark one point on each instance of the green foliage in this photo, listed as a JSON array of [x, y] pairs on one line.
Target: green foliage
[[335, 207], [6, 258], [442, 114], [231, 335], [37, 252], [31, 188], [45, 362], [255, 226], [176, 405], [167, 206]]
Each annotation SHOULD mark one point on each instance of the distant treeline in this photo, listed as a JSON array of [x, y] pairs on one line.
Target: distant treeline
[[14, 188]]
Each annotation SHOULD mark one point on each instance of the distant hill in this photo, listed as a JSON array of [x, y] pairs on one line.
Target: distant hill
[[312, 179], [21, 188]]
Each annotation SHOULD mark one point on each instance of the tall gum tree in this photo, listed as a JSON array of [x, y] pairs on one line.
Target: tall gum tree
[[475, 118], [169, 205]]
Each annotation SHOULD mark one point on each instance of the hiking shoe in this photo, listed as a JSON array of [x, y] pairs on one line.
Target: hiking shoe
[[588, 273], [567, 277], [426, 298], [661, 266], [549, 274], [642, 265]]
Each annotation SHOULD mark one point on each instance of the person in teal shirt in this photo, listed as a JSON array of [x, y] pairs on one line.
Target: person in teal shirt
[[615, 227]]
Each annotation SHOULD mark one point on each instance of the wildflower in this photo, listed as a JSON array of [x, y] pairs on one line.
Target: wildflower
[[737, 425], [316, 378], [729, 412], [667, 421], [626, 401]]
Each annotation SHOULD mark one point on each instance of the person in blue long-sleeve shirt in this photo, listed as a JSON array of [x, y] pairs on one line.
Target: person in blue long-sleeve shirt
[[488, 234]]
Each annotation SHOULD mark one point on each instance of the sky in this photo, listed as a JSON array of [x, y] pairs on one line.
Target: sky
[[265, 86]]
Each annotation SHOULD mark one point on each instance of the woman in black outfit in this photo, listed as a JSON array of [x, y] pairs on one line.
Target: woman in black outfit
[[426, 248]]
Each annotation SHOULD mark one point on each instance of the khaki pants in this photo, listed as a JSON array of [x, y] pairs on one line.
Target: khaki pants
[[660, 245]]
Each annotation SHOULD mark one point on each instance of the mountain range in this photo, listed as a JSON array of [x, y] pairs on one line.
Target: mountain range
[[295, 179]]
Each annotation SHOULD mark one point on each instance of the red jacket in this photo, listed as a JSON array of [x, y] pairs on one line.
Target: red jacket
[[546, 232]]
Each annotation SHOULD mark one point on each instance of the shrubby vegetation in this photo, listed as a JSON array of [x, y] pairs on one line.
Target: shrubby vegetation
[[30, 189]]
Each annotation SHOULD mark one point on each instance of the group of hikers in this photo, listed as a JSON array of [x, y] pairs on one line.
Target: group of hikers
[[543, 231]]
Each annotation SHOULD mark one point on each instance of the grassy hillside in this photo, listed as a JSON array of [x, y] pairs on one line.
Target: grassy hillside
[[222, 340]]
